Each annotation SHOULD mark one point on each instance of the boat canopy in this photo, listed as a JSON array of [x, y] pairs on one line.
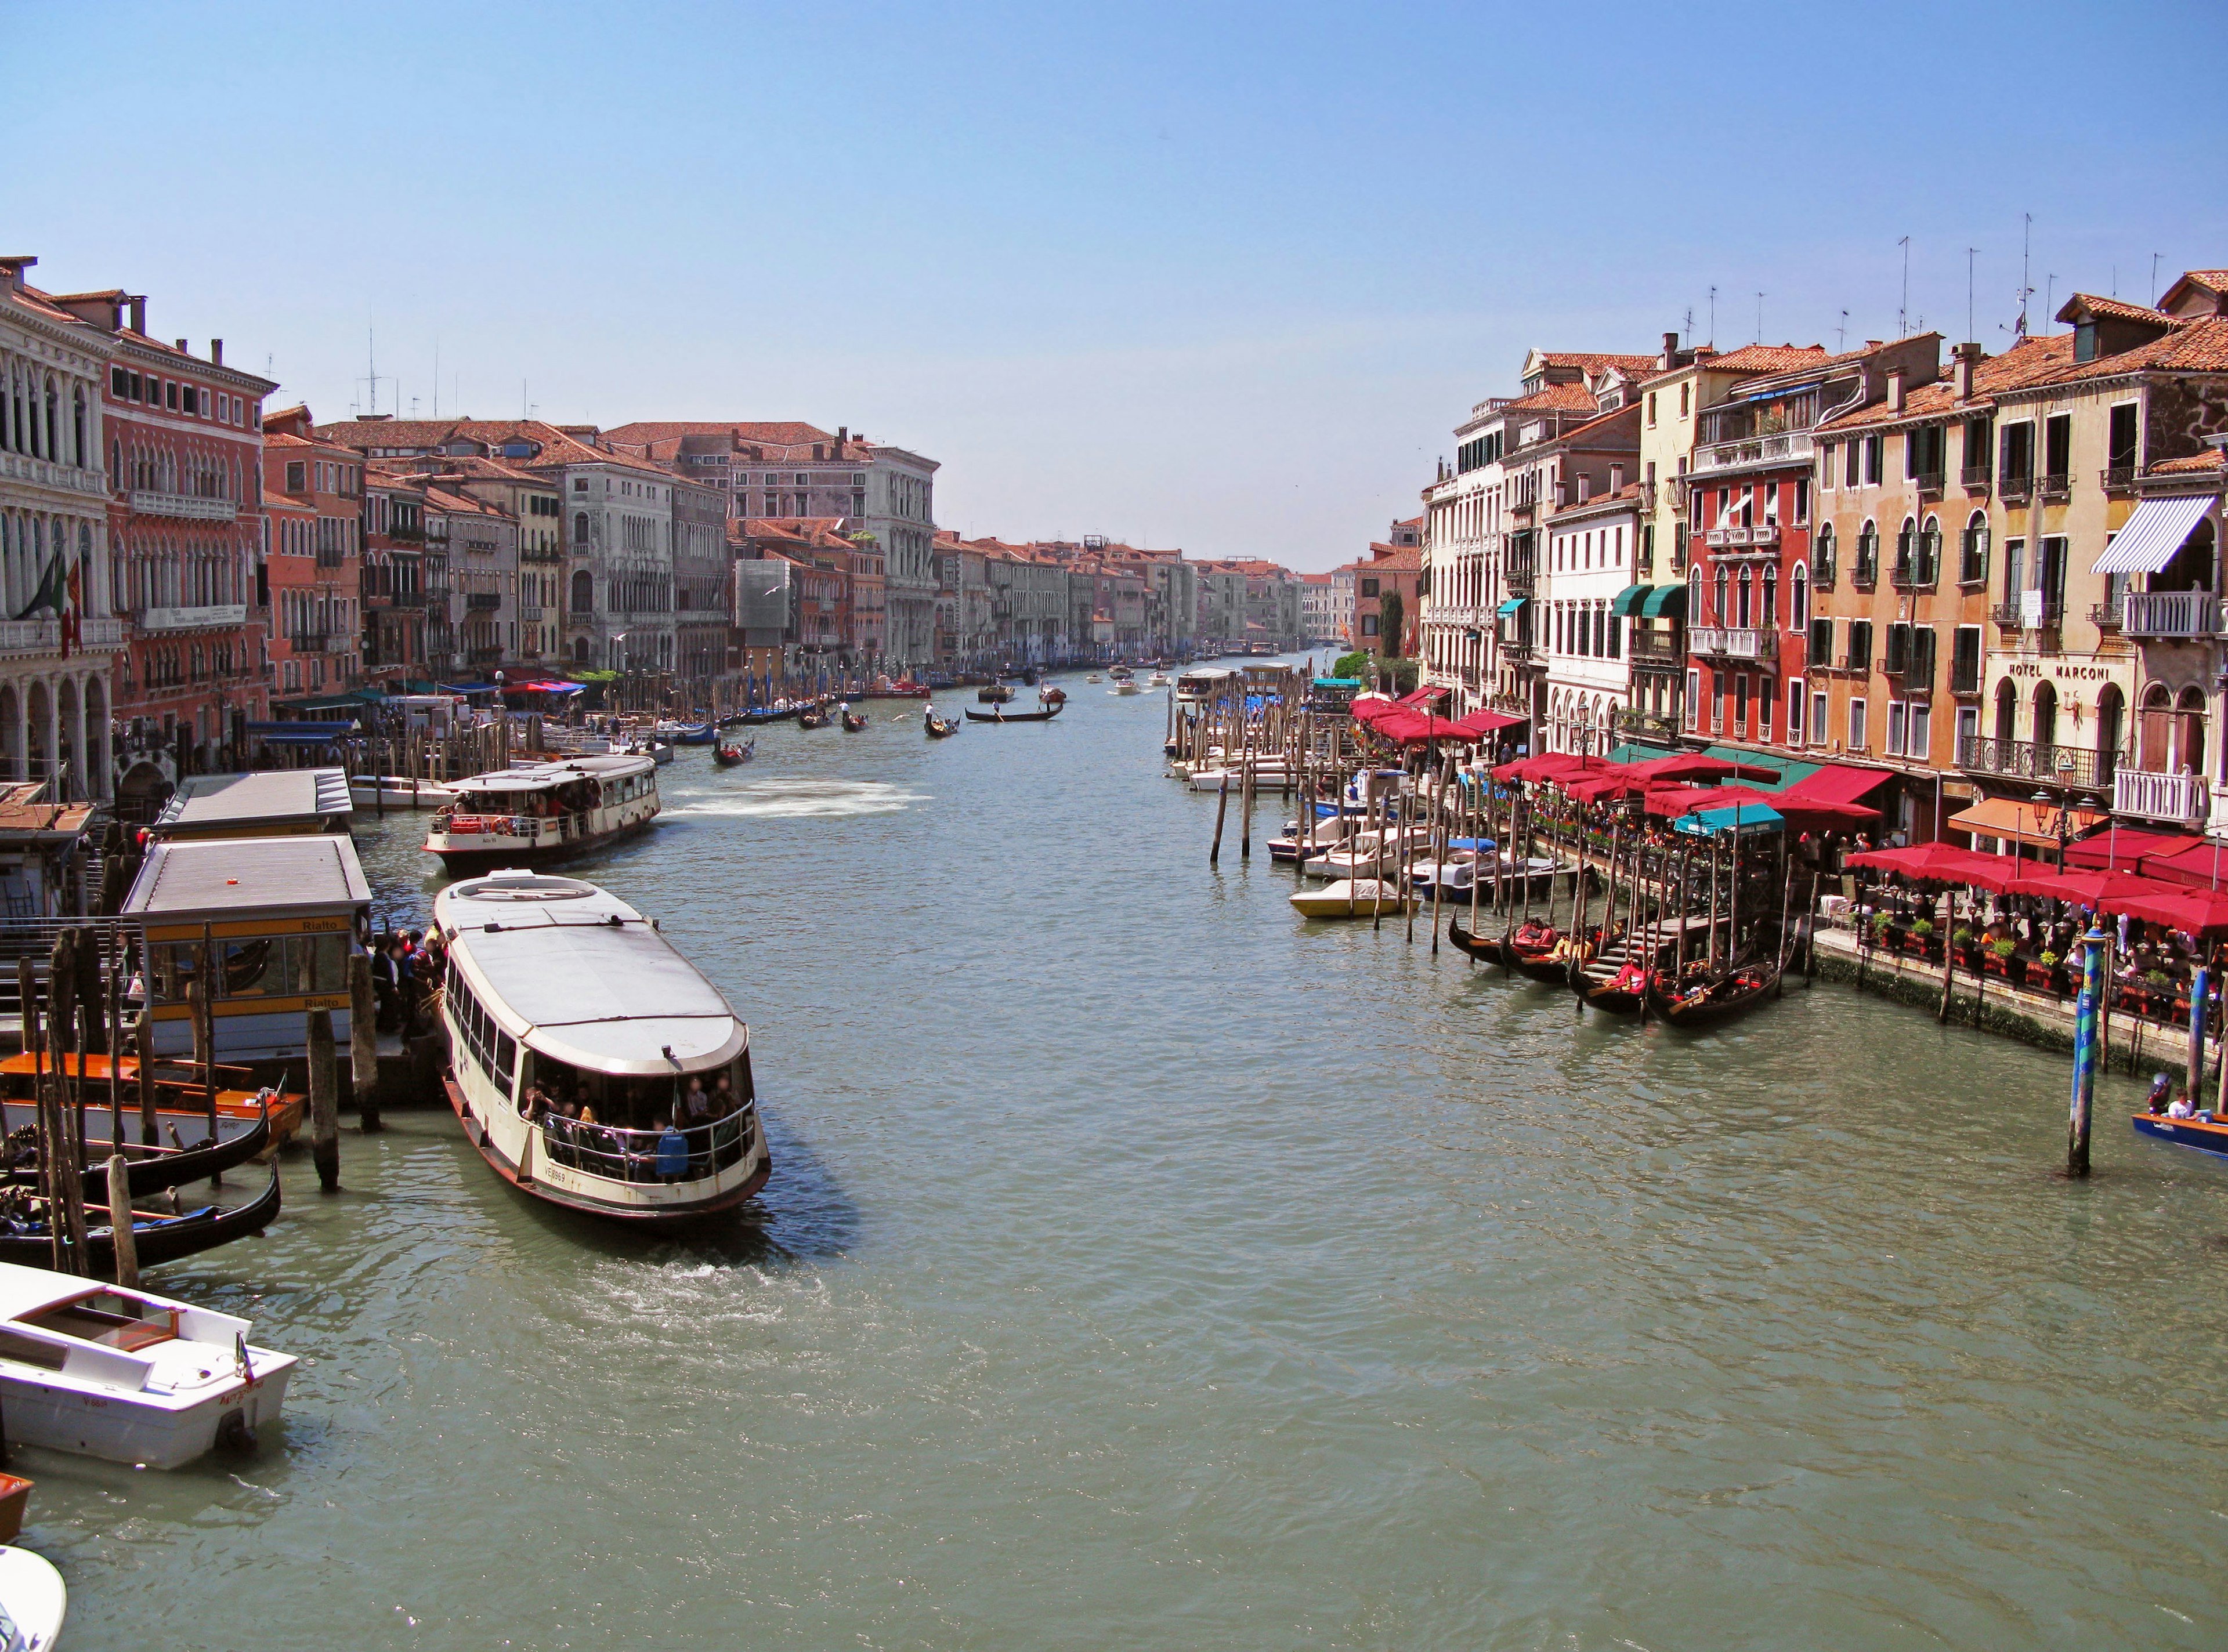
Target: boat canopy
[[269, 801], [531, 777]]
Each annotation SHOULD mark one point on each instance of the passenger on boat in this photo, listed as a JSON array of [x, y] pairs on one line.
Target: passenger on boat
[[1630, 978], [2180, 1107], [672, 1155]]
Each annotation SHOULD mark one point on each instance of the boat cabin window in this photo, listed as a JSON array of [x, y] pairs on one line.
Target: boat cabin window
[[255, 966], [111, 1320], [628, 1103], [489, 1045]]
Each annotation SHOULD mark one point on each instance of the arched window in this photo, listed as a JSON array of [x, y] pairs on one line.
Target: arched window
[[1906, 552], [1973, 550], [2006, 719], [53, 421], [1694, 597], [2109, 712], [1867, 569], [580, 530], [1822, 555], [1768, 620], [2046, 725], [1798, 603], [1719, 616], [2189, 719], [584, 591], [77, 428]]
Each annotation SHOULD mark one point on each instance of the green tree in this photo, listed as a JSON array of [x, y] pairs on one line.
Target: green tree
[[1391, 617]]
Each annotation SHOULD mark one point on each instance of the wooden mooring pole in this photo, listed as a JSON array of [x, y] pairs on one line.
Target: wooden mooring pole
[[324, 1101], [363, 1043]]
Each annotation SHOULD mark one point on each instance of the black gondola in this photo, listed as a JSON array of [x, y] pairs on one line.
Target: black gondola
[[1486, 950], [1537, 964], [164, 1168], [727, 757], [758, 718], [940, 728], [853, 721], [158, 1239], [1044, 715], [1734, 993], [815, 718]]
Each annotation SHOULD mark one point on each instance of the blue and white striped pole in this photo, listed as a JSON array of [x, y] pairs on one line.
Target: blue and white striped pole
[[2085, 1053]]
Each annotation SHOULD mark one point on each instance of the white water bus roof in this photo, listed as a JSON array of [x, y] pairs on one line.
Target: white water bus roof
[[573, 972], [532, 777]]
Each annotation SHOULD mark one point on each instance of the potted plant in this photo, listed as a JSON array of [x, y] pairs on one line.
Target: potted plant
[[1921, 942], [2044, 972], [1961, 947], [1998, 958]]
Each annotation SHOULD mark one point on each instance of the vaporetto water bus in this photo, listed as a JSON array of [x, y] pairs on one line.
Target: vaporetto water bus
[[590, 1064], [511, 816]]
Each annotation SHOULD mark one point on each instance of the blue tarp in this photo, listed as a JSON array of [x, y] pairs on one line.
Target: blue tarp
[[1745, 820]]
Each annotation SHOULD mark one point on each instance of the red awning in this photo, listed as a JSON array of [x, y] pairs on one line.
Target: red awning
[[2195, 863], [1421, 697], [1413, 728], [1484, 722], [1938, 862], [1698, 766], [1838, 783], [1803, 814]]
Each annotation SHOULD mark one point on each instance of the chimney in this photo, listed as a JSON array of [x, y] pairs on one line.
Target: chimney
[[1895, 390], [181, 347], [1967, 357], [12, 267], [216, 351], [1616, 477], [1585, 486], [1670, 351], [139, 312]]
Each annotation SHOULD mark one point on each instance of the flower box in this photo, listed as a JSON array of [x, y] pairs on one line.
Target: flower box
[[2002, 968]]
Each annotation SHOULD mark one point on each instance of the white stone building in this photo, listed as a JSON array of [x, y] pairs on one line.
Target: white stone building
[[1585, 577]]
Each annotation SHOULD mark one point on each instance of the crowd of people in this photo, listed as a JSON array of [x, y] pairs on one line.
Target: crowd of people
[[406, 967], [688, 1143]]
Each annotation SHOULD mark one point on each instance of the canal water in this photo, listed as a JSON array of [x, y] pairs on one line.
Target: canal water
[[1143, 1267]]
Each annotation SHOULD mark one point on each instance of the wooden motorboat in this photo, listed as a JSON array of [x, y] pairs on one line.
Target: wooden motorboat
[[853, 721], [1050, 696], [938, 728], [813, 718], [2205, 1131], [1731, 993], [1003, 715], [1489, 949], [397, 792], [181, 1116], [33, 1600], [158, 1238], [995, 693], [728, 756], [127, 1375], [578, 1038], [690, 734], [1350, 897]]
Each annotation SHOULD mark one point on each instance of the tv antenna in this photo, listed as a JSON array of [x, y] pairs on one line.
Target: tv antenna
[[1903, 309]]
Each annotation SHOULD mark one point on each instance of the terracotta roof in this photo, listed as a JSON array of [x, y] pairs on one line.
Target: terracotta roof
[[1556, 398], [1768, 358], [557, 446], [2194, 463], [2199, 345], [2116, 309], [1622, 497], [457, 504], [786, 433], [2030, 362], [1597, 360]]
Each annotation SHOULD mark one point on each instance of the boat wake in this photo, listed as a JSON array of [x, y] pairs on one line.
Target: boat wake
[[800, 797]]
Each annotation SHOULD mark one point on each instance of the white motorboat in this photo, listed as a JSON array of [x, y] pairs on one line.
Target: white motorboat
[[1453, 875], [591, 1064], [33, 1601], [510, 815], [1159, 679], [1094, 677], [1126, 686], [1350, 897], [128, 1376], [394, 792], [1367, 852]]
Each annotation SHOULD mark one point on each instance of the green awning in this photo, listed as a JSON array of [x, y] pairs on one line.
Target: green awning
[[1629, 600], [1665, 603], [1509, 607], [1790, 768]]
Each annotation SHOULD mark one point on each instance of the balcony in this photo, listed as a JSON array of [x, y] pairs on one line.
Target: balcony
[[1915, 573], [2023, 760], [1974, 477], [2057, 485], [488, 655], [2117, 479], [1517, 577], [1928, 481], [2183, 798], [1822, 573], [2105, 616], [193, 619], [2170, 614], [145, 502], [2037, 616], [1864, 573], [1735, 643], [580, 616], [44, 635], [531, 612], [1658, 649], [2015, 484], [483, 602], [309, 641], [1790, 447], [1762, 536], [394, 599]]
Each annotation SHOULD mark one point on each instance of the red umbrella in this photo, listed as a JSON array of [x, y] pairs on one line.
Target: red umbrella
[[2194, 911], [1936, 862], [1484, 722], [1699, 765]]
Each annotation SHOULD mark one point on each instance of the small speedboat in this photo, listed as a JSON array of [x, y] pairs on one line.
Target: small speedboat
[[128, 1376], [1126, 686], [1350, 897], [33, 1600], [1094, 677], [1158, 680], [394, 792]]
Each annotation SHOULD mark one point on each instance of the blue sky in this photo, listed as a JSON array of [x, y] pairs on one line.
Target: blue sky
[[1220, 276]]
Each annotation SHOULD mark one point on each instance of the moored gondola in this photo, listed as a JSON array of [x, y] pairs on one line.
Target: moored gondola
[[758, 717], [157, 1239], [1487, 949], [1720, 999], [1044, 715], [153, 1169]]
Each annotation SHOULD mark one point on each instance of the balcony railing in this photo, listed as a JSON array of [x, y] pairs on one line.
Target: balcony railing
[[1735, 642], [1790, 447], [1763, 535], [2057, 485], [1976, 476], [484, 656], [145, 502], [1913, 573], [2105, 616], [1822, 572], [2024, 759], [2117, 479], [2016, 484], [1928, 481], [309, 641], [193, 619], [2170, 614], [1519, 578], [2183, 798], [2014, 616], [480, 601]]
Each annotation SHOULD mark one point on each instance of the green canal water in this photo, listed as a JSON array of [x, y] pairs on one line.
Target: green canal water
[[1143, 1267]]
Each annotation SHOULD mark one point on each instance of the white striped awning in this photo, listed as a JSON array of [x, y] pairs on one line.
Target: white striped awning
[[2153, 535]]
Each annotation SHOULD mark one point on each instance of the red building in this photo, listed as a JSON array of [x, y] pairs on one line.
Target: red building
[[185, 454], [313, 500]]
